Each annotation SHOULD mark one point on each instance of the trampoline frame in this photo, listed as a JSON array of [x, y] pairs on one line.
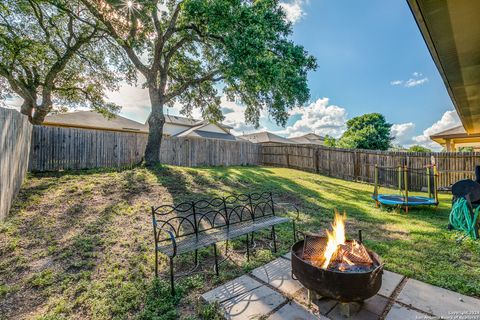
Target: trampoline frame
[[426, 201]]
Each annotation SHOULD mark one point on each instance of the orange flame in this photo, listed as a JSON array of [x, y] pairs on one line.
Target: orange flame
[[335, 238]]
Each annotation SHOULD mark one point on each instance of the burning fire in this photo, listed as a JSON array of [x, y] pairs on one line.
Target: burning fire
[[335, 238], [340, 253]]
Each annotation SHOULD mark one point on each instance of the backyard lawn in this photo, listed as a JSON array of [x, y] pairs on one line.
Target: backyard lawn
[[80, 244]]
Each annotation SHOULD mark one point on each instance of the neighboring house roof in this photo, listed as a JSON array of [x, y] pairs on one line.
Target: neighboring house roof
[[198, 132], [173, 124], [309, 138], [94, 120], [188, 122], [264, 137], [451, 30]]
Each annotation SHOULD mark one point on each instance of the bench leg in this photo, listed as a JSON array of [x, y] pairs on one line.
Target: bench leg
[[274, 240], [172, 281], [196, 256], [216, 258], [294, 231], [156, 263], [226, 248], [248, 250]]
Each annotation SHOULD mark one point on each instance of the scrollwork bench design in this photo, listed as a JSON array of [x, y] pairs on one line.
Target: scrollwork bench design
[[189, 226]]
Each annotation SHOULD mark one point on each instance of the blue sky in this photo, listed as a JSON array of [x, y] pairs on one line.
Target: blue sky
[[371, 58]]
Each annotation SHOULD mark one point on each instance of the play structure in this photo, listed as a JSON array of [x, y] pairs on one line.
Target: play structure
[[466, 206], [404, 178]]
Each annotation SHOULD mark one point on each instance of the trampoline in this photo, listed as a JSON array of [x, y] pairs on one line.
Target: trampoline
[[399, 200], [420, 179]]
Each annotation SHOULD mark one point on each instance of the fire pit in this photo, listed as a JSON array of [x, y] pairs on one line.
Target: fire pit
[[337, 268]]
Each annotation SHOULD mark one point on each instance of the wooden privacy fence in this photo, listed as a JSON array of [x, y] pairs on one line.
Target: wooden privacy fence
[[359, 165], [58, 148], [15, 133]]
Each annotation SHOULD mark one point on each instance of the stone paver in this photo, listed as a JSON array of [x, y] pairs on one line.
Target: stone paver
[[435, 300], [253, 304], [247, 298], [278, 274], [231, 289], [294, 311], [399, 312], [390, 280], [288, 256], [363, 314], [324, 305], [375, 304]]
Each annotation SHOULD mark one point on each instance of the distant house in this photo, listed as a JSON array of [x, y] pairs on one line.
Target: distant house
[[175, 126], [457, 137], [310, 138], [265, 137]]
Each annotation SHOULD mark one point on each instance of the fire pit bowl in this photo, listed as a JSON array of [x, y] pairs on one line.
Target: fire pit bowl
[[339, 285]]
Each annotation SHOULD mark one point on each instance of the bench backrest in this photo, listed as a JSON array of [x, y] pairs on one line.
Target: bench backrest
[[192, 218]]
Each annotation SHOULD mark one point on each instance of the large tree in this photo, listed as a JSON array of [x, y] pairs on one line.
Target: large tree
[[54, 52], [192, 51], [368, 131]]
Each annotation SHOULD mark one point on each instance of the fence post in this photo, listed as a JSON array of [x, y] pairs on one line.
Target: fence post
[[287, 157]]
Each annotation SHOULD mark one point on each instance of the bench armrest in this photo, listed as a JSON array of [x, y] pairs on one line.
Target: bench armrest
[[172, 239], [292, 206]]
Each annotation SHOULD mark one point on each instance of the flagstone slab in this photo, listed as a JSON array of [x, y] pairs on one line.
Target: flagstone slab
[[288, 256], [399, 312], [375, 304], [232, 289], [390, 280], [437, 301], [324, 305], [253, 304], [362, 314], [278, 274], [294, 311]]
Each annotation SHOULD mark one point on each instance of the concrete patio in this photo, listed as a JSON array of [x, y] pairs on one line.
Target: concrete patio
[[269, 292]]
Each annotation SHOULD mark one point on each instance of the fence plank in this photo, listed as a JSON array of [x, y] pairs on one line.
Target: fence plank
[[57, 148], [15, 137], [359, 165]]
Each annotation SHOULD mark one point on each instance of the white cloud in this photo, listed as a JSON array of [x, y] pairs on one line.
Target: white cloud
[[293, 10], [318, 117], [396, 82], [415, 82], [235, 117], [449, 120], [402, 133], [411, 82]]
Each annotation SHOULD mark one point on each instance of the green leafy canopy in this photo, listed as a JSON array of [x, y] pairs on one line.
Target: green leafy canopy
[[369, 131], [52, 52]]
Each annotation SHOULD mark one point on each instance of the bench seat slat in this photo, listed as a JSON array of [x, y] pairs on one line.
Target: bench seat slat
[[191, 243]]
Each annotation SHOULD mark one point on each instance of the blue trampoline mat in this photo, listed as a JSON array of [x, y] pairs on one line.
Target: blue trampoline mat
[[394, 200]]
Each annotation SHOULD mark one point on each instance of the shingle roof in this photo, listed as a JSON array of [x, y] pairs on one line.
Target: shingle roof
[[263, 137], [309, 138], [94, 120], [198, 132]]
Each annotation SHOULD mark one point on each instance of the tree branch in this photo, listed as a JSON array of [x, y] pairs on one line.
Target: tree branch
[[112, 31], [193, 82]]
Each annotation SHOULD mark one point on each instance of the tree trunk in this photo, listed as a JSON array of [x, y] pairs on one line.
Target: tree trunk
[[156, 121]]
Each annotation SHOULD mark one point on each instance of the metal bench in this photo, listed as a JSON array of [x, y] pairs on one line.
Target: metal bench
[[189, 226]]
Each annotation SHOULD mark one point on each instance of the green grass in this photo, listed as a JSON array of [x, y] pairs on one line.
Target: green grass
[[79, 244]]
